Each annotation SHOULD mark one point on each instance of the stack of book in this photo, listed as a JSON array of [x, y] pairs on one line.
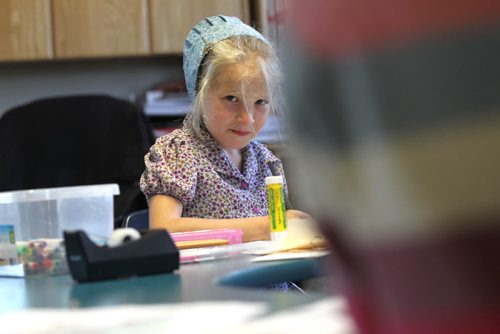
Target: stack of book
[[171, 104]]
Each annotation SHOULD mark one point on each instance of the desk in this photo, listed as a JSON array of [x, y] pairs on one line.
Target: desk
[[192, 282]]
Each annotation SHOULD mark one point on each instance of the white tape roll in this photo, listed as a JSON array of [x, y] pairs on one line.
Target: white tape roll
[[123, 235]]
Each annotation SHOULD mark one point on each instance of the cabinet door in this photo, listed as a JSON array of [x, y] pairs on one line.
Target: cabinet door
[[97, 28], [171, 20], [25, 31]]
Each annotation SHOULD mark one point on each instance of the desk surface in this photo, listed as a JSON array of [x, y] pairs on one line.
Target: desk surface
[[192, 282]]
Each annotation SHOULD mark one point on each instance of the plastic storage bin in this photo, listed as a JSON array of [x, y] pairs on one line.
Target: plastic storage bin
[[39, 217]]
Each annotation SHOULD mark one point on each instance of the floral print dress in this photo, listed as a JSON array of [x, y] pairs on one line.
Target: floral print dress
[[198, 173]]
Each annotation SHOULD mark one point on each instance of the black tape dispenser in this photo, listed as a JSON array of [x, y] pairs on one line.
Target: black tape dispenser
[[128, 253]]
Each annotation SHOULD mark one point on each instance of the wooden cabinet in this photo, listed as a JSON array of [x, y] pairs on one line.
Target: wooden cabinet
[[96, 28], [47, 29], [171, 20], [25, 32]]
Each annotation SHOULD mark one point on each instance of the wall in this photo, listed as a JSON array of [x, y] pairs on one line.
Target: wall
[[123, 78]]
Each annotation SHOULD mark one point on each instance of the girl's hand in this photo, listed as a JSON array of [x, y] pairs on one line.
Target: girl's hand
[[296, 214]]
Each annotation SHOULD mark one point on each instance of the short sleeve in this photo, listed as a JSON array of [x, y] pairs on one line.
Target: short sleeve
[[268, 158], [281, 171], [170, 170], [278, 166]]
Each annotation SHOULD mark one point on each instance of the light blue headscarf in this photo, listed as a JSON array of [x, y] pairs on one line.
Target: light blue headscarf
[[205, 34]]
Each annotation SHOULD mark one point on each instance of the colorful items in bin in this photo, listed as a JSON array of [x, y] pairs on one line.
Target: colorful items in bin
[[42, 256], [210, 237]]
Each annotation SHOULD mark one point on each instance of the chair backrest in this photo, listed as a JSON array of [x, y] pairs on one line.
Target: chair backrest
[[76, 140], [138, 220]]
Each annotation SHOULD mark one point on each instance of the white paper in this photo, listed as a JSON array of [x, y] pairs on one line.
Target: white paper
[[327, 316], [196, 317], [291, 255]]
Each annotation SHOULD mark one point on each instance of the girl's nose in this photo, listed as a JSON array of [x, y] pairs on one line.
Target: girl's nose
[[245, 117]]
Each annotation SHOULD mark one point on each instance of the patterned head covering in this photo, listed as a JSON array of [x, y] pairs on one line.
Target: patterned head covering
[[205, 34]]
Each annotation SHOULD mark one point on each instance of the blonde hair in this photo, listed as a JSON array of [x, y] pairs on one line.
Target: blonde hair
[[245, 50]]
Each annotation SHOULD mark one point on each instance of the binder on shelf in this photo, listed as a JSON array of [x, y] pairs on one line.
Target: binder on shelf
[[171, 104]]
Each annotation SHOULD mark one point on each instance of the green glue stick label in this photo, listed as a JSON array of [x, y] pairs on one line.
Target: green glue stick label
[[276, 204]]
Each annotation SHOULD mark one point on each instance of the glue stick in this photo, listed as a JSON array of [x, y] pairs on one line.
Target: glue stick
[[276, 205]]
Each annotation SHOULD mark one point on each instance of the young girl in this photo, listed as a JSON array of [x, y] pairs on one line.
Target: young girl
[[209, 174]]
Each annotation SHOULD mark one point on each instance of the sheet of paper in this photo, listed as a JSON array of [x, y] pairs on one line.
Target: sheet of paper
[[302, 234], [290, 255], [324, 316], [327, 316], [196, 317]]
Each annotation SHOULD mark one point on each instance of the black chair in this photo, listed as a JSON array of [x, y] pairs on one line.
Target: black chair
[[138, 220], [76, 140]]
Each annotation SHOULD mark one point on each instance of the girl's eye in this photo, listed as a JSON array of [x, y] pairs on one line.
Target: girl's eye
[[261, 102], [231, 98]]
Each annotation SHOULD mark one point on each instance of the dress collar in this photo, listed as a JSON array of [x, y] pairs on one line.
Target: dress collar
[[217, 157], [221, 162]]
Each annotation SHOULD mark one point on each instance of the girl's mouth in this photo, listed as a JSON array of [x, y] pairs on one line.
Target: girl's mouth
[[241, 133]]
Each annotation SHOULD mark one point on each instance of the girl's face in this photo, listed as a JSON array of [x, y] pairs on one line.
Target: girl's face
[[237, 108]]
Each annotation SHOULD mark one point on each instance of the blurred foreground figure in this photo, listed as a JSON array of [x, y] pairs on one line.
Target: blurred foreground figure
[[396, 114]]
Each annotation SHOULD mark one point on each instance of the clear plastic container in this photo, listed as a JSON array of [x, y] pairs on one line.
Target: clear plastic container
[[40, 216]]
